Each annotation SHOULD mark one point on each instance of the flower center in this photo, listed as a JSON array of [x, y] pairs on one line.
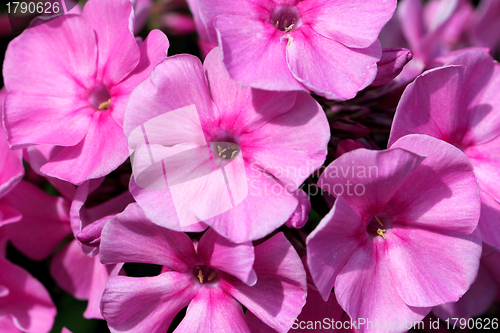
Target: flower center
[[223, 153], [100, 98], [205, 274], [286, 18], [377, 226]]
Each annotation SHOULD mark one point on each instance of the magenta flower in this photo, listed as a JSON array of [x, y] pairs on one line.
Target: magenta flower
[[398, 239], [182, 120], [328, 47], [212, 279], [458, 103], [94, 62]]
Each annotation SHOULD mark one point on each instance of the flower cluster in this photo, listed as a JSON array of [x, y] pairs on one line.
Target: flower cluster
[[323, 165]]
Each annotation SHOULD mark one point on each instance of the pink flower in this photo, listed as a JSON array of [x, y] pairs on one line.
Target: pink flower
[[213, 280], [328, 47], [181, 121], [25, 305], [485, 25], [458, 103], [68, 81], [398, 240]]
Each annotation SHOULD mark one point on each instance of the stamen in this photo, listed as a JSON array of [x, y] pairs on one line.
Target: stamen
[[105, 105], [288, 29], [381, 232], [200, 276], [212, 276], [379, 222]]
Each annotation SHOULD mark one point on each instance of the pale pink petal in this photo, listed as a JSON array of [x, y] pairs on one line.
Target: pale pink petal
[[221, 254], [159, 207], [44, 223], [175, 82], [131, 237], [332, 243], [28, 302], [11, 164], [254, 53], [279, 294], [291, 159], [268, 202], [212, 310], [310, 54], [410, 14], [439, 272], [489, 220], [102, 150], [112, 21], [335, 19], [147, 304], [365, 290], [368, 179], [448, 199], [7, 325]]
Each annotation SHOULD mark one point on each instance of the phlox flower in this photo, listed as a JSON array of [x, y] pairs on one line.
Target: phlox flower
[[68, 81], [208, 151], [328, 47], [213, 279], [459, 103], [399, 240]]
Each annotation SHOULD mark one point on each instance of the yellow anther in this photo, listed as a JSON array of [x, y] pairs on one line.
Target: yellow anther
[[200, 276], [212, 276], [276, 24], [105, 105], [221, 150], [381, 232], [379, 222], [233, 153], [289, 28]]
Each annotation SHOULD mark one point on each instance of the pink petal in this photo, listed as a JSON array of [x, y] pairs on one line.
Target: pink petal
[[332, 243], [365, 290], [44, 110], [254, 53], [212, 310], [391, 64], [301, 214], [152, 51], [44, 223], [147, 304], [242, 107], [235, 259], [279, 151], [7, 325], [448, 199], [267, 206], [349, 70], [279, 294], [131, 237], [28, 302], [102, 150], [11, 165], [159, 207], [176, 82], [119, 54], [434, 105], [353, 24], [368, 179], [439, 272]]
